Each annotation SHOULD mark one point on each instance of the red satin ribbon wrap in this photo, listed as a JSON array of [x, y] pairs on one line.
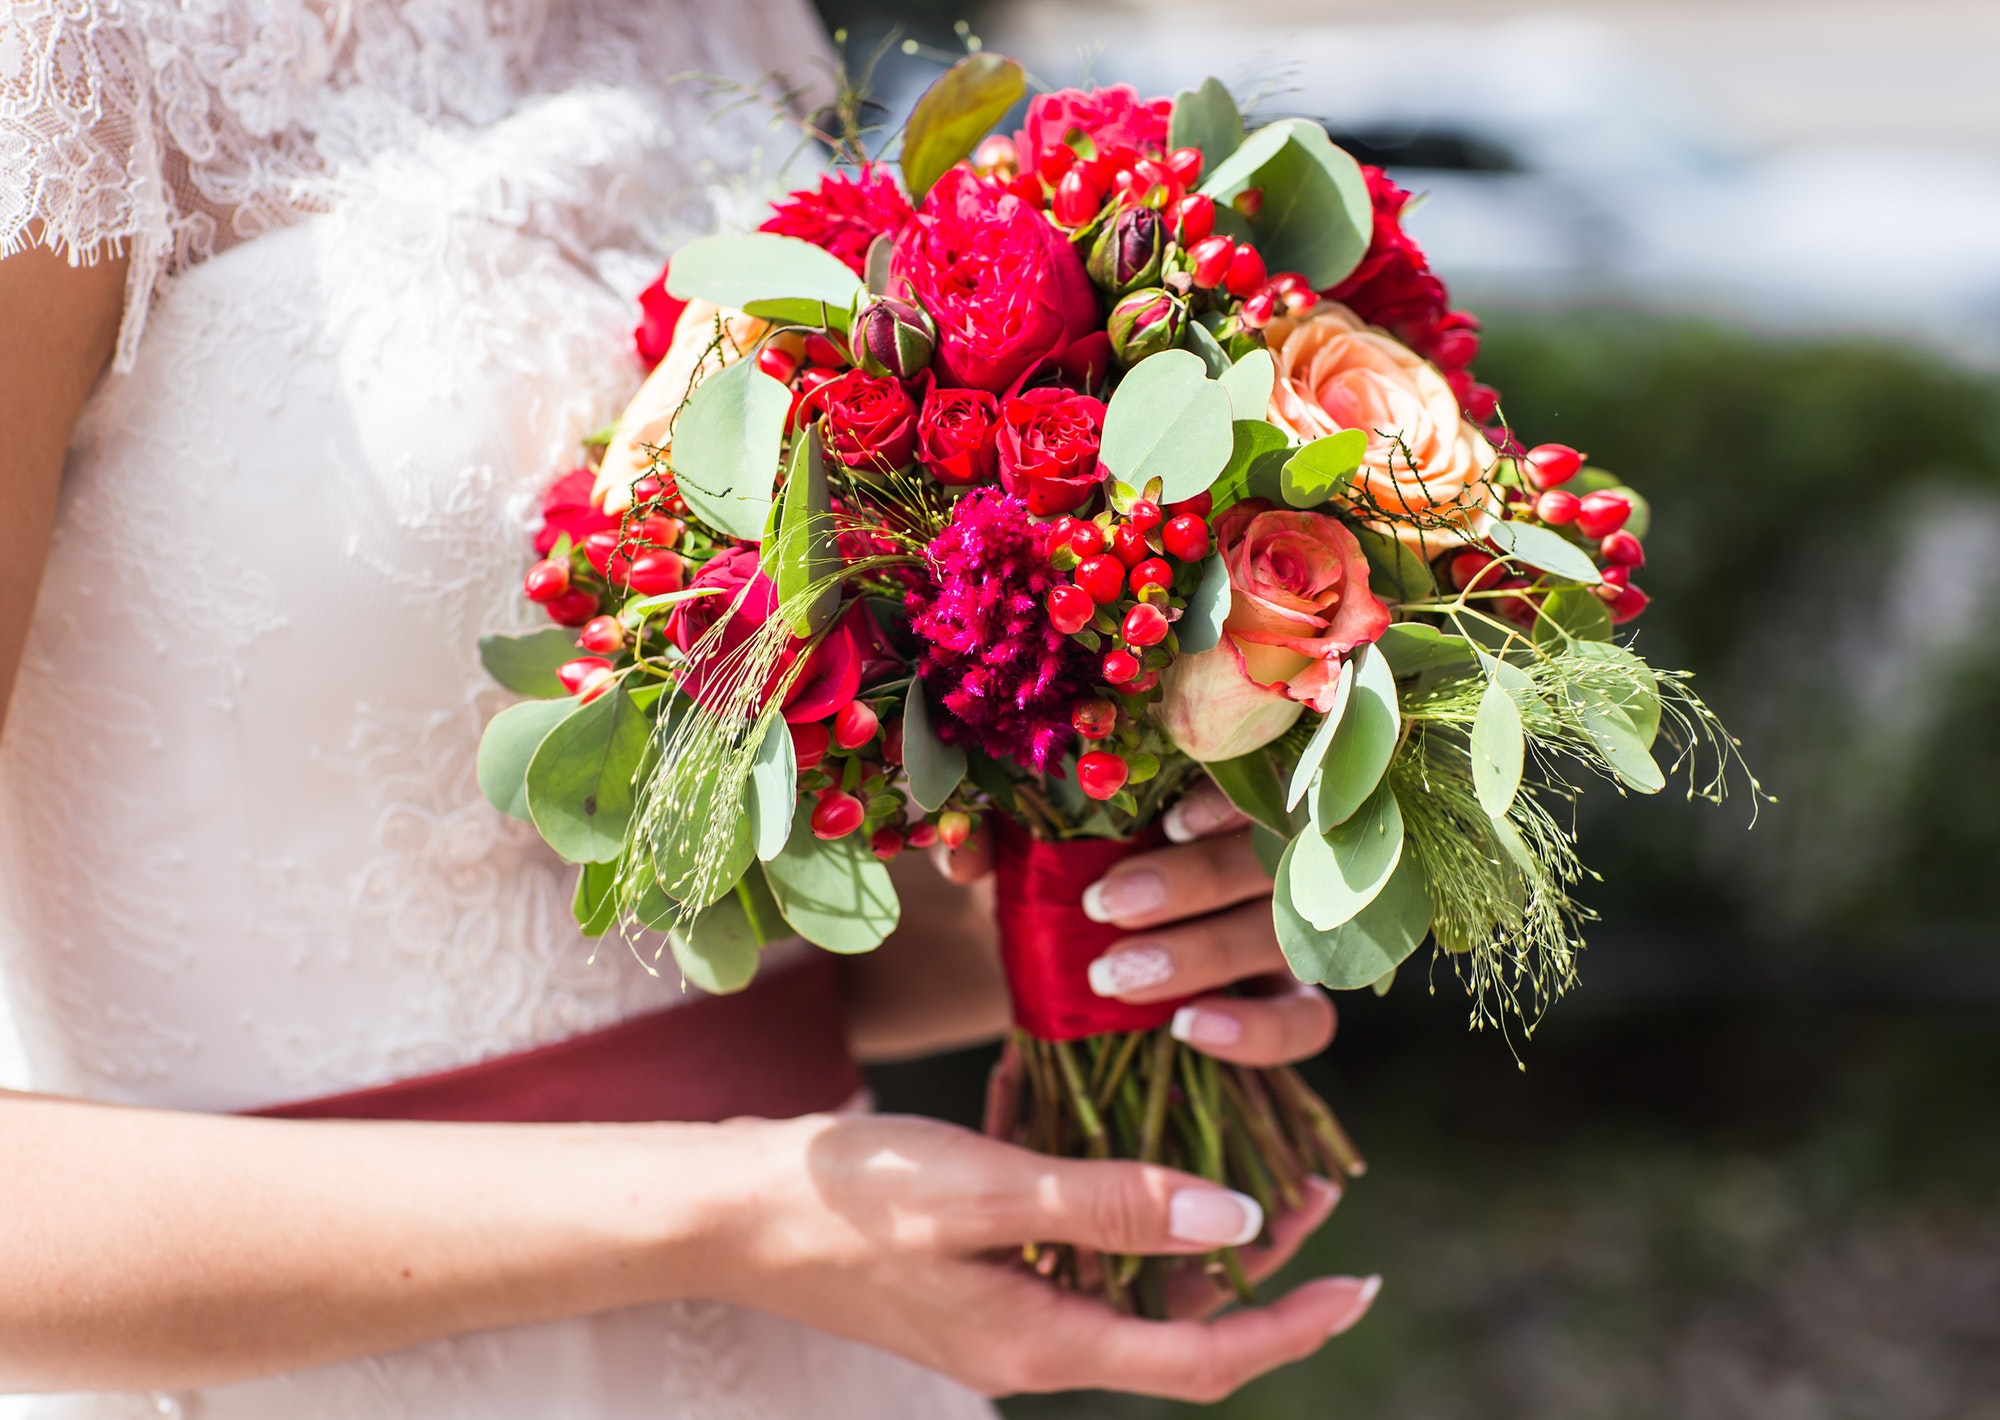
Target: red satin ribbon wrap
[[777, 1049], [1046, 942]]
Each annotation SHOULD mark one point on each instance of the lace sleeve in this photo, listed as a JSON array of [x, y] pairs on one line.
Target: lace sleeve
[[81, 166]]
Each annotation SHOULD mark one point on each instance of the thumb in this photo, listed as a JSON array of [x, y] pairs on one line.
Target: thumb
[[1114, 1207]]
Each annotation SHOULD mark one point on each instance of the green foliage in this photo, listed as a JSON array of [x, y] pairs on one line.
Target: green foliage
[[1248, 384], [527, 664], [726, 444], [1206, 118], [1316, 217], [806, 551], [935, 768], [1200, 626], [736, 270], [1338, 872], [772, 794], [834, 893], [1316, 472], [1362, 744], [1168, 420], [1252, 783], [954, 114], [581, 782], [509, 745]]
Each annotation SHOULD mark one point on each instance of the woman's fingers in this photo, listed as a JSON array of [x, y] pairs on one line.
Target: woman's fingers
[[1294, 1023], [1171, 883], [1109, 1206], [1189, 958], [1202, 811], [1192, 1292]]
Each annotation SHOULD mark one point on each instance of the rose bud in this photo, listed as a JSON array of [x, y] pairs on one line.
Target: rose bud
[[892, 339], [1094, 719], [1549, 464], [1145, 323], [854, 724], [836, 814], [954, 828], [1101, 773], [995, 156], [1127, 252], [810, 742], [602, 634], [1621, 549], [1558, 507], [573, 608], [1208, 261], [1601, 514], [546, 581], [1194, 218]]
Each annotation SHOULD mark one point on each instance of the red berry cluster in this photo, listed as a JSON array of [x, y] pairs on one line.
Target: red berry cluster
[[1074, 188], [638, 555], [1598, 516], [846, 772]]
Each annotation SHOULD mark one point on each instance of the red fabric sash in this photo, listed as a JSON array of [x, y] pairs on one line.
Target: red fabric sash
[[776, 1050], [1047, 943]]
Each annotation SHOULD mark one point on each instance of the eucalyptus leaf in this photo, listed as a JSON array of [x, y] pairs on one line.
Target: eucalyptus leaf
[[802, 312], [1499, 749], [1616, 738], [595, 905], [527, 664], [1248, 384], [726, 446], [835, 893], [934, 768], [1168, 420], [954, 114], [1396, 574], [720, 951], [1315, 751], [1200, 626], [1367, 949], [773, 790], [1546, 550], [1363, 744], [1381, 985], [1269, 848], [1636, 690], [1316, 217], [735, 270], [712, 806], [1201, 340], [807, 550], [508, 747], [581, 787], [1572, 613], [1251, 783], [1412, 647], [1322, 468], [1251, 441], [1206, 118], [1337, 873]]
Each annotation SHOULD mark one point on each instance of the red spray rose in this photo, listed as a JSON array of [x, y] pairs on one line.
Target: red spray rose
[[748, 599], [567, 508], [955, 435], [659, 313], [870, 421], [1048, 448], [1006, 289], [1113, 118], [843, 215]]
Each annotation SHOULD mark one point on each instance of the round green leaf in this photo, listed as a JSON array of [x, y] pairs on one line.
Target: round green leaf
[[834, 893], [954, 114], [719, 953], [773, 791], [1362, 744], [1412, 647], [580, 781], [1322, 468], [1336, 874], [806, 549], [1248, 384], [1322, 740], [1316, 217], [595, 905], [1615, 737], [1206, 118], [1168, 420], [726, 446], [1381, 935], [1627, 681], [1214, 359], [1200, 626], [1572, 612], [734, 271], [527, 664], [934, 767], [1498, 749], [1395, 574], [1545, 550], [509, 745]]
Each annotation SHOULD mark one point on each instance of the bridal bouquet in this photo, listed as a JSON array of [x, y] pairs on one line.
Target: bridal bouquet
[[1077, 465]]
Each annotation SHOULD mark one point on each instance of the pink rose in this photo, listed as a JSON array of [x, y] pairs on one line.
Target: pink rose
[[1006, 289], [1048, 449], [747, 600], [1299, 603], [1113, 118]]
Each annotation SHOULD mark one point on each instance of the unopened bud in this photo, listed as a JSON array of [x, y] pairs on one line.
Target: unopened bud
[[1145, 323], [1127, 252], [892, 339]]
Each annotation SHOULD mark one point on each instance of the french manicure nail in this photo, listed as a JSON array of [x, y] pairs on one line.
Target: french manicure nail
[[1191, 817], [1216, 1217], [1133, 969], [1364, 1297], [1124, 895], [1206, 1029]]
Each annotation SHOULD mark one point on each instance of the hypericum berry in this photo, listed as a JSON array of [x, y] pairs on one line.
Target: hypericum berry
[[1602, 514], [885, 843], [1200, 506], [1077, 198], [1549, 464], [655, 530], [1157, 184], [1186, 537], [1101, 773], [1143, 684], [1185, 163], [1471, 567], [1094, 718], [657, 572], [1557, 507], [1621, 549], [1086, 539], [954, 828], [1120, 667], [780, 365], [1145, 625], [995, 151], [854, 724], [837, 814], [1616, 580], [1246, 275], [1519, 610], [1153, 572], [1102, 576], [922, 834], [1057, 534], [1209, 261], [606, 551], [546, 581], [892, 742], [1194, 218], [1249, 202], [585, 676], [573, 608], [1128, 545], [1259, 311], [824, 352], [1070, 609], [1629, 603], [602, 634], [646, 488], [815, 377], [810, 743], [1145, 515]]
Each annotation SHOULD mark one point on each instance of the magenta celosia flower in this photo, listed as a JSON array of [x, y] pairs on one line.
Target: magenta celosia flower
[[1004, 676], [843, 215]]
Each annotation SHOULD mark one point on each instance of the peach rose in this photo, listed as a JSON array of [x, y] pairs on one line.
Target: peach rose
[[1299, 602], [1336, 372], [646, 419]]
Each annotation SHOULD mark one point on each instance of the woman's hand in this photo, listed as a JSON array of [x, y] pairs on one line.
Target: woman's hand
[[906, 1234], [1200, 918]]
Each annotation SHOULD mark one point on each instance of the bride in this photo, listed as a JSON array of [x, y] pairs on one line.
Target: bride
[[301, 303]]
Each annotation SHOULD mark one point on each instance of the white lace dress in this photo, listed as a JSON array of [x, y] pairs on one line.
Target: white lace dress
[[384, 254]]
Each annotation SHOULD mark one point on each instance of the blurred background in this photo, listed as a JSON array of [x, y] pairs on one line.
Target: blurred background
[[1747, 254]]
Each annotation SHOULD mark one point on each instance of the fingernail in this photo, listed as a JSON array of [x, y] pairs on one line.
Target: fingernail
[[1363, 1297], [1217, 1217], [1124, 895], [1204, 1029], [1133, 969], [1190, 818]]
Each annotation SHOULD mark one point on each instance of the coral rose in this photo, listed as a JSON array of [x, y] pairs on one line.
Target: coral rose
[[1424, 463]]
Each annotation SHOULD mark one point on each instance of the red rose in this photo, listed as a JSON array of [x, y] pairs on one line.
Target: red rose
[[843, 215], [567, 508], [748, 599], [1006, 289], [1048, 448], [659, 313], [1112, 119], [955, 436], [870, 421]]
